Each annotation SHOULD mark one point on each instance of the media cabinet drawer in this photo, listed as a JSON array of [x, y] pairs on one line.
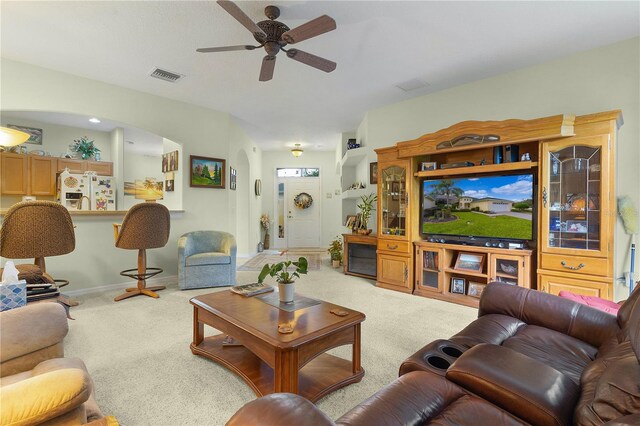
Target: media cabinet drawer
[[573, 264], [394, 246]]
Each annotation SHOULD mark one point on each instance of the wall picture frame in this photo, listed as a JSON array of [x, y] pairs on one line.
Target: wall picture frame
[[207, 172], [458, 285], [232, 178], [35, 134], [170, 161], [470, 262], [475, 289], [373, 173]]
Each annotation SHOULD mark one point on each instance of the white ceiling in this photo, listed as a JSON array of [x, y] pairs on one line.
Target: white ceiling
[[376, 45]]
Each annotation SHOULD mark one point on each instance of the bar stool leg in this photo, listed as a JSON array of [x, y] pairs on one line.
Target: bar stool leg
[[141, 276]]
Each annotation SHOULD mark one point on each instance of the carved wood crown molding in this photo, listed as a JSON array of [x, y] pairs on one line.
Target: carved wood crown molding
[[488, 133]]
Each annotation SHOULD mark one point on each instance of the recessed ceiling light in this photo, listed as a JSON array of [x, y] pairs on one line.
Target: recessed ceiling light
[[94, 120]]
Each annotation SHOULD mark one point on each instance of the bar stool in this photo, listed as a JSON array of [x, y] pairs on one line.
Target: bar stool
[[145, 226]]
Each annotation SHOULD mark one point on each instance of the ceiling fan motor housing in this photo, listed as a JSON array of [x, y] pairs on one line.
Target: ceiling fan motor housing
[[273, 30]]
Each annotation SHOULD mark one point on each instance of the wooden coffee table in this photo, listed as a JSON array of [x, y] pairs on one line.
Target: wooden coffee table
[[270, 361]]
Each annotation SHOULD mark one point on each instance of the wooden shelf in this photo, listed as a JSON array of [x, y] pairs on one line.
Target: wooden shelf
[[487, 168], [465, 272]]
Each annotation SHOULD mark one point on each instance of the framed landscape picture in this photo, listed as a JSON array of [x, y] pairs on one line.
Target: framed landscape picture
[[205, 172]]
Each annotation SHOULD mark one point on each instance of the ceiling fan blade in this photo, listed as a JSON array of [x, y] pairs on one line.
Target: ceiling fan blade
[[315, 27], [312, 60], [266, 71], [241, 17], [224, 49]]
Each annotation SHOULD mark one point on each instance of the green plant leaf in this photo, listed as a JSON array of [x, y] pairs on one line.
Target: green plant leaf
[[266, 269]]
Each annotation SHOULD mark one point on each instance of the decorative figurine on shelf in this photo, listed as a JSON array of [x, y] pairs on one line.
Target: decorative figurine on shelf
[[351, 144]]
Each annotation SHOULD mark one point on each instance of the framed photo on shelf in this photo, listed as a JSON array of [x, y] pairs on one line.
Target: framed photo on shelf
[[475, 289], [350, 220], [470, 262], [457, 285], [373, 173], [428, 165]]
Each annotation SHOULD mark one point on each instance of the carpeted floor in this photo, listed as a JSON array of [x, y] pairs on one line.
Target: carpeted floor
[[138, 351], [258, 261]]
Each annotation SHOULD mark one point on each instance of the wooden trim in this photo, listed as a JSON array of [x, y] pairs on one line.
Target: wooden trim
[[509, 131], [487, 168]]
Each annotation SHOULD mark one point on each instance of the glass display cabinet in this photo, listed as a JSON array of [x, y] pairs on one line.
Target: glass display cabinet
[[393, 200], [574, 196]]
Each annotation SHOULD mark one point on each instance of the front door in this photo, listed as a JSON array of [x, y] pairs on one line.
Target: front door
[[301, 221]]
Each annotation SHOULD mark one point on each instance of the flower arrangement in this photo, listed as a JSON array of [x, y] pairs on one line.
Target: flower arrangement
[[85, 148], [335, 250], [265, 222]]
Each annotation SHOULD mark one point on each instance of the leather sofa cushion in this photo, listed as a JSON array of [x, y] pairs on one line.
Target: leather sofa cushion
[[527, 388], [560, 351], [210, 258], [557, 350], [610, 387], [420, 398]]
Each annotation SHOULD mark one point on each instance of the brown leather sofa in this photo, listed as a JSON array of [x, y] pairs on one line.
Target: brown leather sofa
[[529, 358]]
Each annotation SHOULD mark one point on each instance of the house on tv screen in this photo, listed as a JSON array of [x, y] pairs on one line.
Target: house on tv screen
[[487, 204]]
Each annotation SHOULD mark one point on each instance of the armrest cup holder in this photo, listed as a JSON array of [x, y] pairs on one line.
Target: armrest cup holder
[[436, 357]]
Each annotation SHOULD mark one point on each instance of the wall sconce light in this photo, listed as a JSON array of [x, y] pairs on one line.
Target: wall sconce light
[[296, 150]]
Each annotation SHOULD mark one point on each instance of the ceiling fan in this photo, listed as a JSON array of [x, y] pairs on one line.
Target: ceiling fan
[[274, 36]]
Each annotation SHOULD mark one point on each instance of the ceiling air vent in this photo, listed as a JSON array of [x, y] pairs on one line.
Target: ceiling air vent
[[165, 75]]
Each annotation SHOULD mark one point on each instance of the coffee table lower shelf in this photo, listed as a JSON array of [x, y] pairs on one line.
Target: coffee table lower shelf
[[318, 378]]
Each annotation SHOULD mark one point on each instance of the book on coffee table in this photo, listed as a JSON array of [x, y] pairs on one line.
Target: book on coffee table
[[251, 289]]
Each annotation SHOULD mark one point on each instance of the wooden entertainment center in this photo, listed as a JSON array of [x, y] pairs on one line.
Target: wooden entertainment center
[[572, 160]]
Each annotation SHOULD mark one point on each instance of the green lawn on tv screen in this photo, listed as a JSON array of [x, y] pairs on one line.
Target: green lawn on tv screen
[[480, 225]]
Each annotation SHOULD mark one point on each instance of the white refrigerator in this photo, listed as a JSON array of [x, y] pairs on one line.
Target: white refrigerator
[[87, 191], [103, 193]]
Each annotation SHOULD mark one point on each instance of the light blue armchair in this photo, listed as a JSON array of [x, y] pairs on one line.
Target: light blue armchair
[[206, 259]]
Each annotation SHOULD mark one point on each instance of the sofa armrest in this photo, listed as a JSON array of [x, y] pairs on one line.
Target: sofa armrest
[[546, 310], [44, 397], [279, 409], [523, 386], [31, 328]]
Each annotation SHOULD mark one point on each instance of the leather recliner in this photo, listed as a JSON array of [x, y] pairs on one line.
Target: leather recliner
[[529, 358]]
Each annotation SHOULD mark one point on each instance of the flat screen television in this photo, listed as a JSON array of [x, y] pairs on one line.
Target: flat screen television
[[495, 207]]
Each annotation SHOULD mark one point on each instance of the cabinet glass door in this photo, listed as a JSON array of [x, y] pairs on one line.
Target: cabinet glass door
[[393, 201], [575, 196], [507, 269], [430, 262]]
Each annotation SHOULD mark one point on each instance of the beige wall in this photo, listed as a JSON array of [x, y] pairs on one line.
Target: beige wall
[[603, 79], [96, 262]]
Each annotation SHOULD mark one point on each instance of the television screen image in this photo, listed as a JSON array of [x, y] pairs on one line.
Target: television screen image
[[488, 206]]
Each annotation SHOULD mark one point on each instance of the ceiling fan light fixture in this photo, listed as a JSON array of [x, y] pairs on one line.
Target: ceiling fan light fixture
[[296, 151]]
